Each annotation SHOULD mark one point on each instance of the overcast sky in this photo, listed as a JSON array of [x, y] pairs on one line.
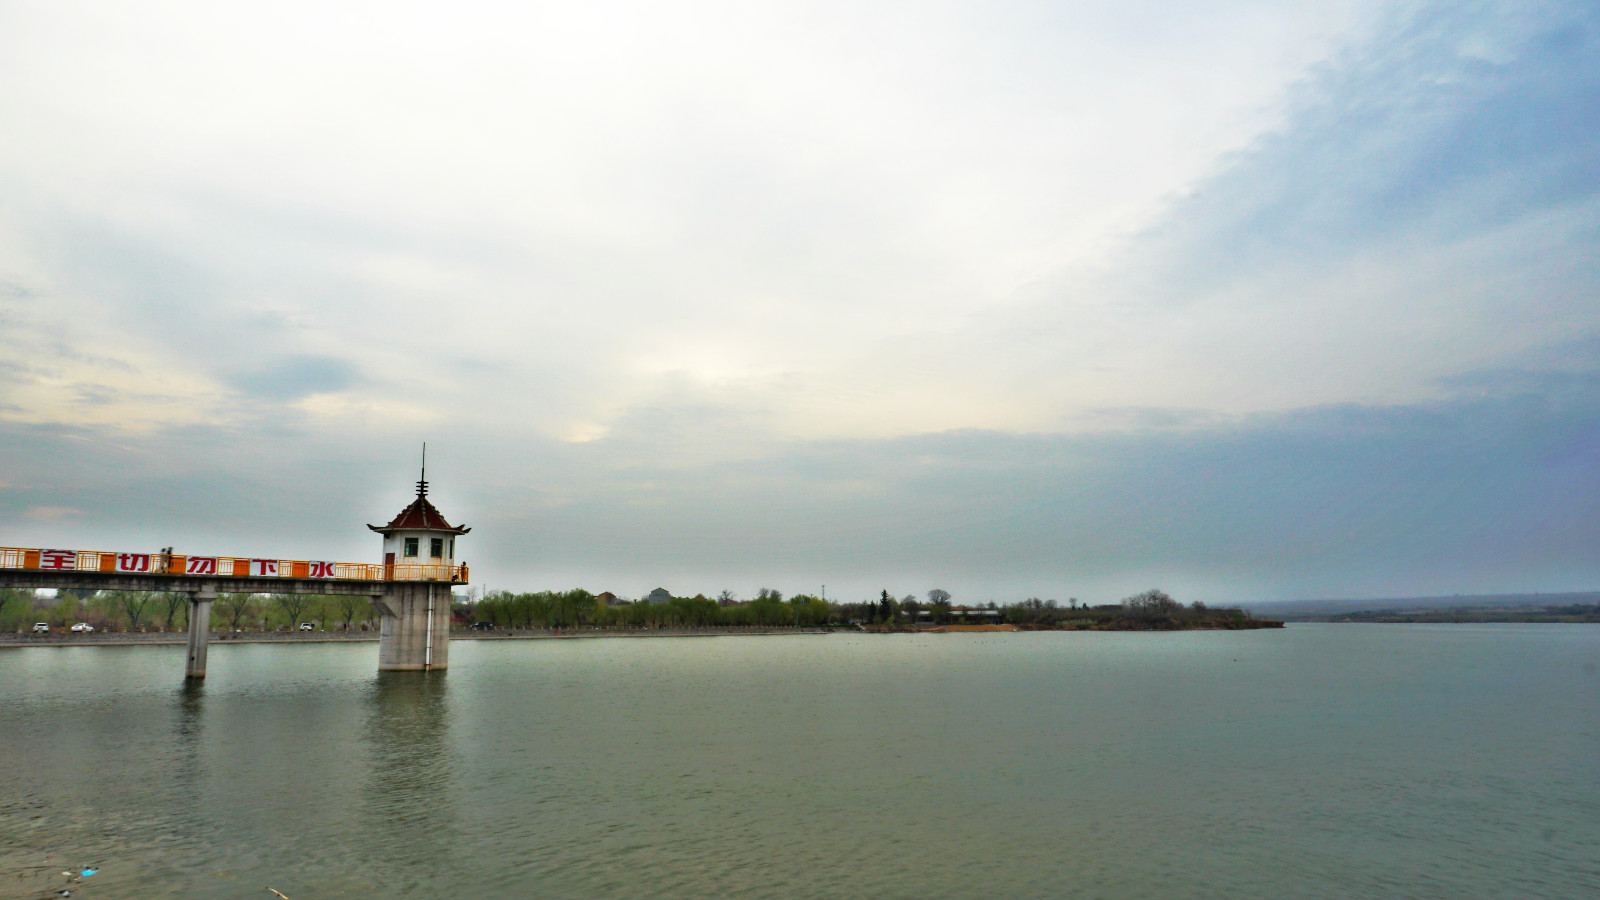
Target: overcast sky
[[1244, 300]]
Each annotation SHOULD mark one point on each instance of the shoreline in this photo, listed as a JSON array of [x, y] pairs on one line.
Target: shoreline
[[224, 638], [221, 638]]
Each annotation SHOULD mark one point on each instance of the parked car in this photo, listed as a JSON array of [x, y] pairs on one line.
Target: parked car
[[41, 628], [307, 626], [482, 626], [82, 628]]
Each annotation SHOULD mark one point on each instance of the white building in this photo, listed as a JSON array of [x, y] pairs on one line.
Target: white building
[[418, 544]]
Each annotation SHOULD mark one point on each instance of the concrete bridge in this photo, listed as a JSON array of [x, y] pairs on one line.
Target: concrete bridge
[[410, 589]]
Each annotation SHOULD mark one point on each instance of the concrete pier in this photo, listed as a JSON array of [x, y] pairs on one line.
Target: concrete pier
[[199, 630], [414, 634]]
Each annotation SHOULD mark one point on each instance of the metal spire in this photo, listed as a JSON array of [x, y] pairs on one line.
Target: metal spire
[[422, 483]]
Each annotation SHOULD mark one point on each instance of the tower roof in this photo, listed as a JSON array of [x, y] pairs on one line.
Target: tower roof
[[419, 516]]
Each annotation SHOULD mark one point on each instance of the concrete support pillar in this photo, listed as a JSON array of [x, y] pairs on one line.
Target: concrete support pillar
[[199, 630], [414, 627]]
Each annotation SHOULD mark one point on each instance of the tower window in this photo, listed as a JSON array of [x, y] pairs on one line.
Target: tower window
[[411, 546], [435, 547]]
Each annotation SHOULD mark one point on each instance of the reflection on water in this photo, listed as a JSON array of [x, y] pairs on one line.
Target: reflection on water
[[408, 800], [188, 770], [1315, 761], [191, 709]]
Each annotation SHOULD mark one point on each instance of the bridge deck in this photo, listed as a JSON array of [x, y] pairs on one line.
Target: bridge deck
[[103, 570], [94, 581]]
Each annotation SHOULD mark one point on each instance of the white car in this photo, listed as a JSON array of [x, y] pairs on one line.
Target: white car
[[41, 628], [307, 626], [82, 628]]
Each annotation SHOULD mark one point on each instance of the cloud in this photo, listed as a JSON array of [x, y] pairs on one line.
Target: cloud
[[1428, 205], [1491, 488], [1480, 491], [1460, 119], [52, 513], [295, 377], [600, 200], [1242, 299]]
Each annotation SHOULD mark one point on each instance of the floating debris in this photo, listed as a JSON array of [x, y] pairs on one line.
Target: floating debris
[[87, 872]]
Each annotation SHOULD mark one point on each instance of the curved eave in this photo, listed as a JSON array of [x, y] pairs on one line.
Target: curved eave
[[386, 530]]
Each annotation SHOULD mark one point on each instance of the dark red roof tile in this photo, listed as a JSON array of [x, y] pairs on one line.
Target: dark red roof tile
[[419, 516]]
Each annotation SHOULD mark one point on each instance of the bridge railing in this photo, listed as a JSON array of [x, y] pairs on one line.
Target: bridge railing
[[221, 566]]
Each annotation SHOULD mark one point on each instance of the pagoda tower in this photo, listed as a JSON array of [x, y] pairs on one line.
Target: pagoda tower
[[418, 544], [419, 565]]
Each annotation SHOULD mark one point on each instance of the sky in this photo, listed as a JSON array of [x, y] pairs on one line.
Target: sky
[[1247, 301]]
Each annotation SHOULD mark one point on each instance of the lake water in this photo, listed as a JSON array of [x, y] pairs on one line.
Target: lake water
[[1316, 761]]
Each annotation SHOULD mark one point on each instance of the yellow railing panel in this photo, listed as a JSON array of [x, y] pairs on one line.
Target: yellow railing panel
[[222, 566]]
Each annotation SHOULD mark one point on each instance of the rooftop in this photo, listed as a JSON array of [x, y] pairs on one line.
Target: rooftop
[[419, 516]]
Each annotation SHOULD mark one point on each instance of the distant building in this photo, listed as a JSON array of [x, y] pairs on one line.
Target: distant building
[[659, 595], [606, 598]]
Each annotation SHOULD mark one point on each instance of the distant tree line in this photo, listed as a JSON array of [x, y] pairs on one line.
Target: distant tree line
[[1151, 610], [578, 608], [168, 610]]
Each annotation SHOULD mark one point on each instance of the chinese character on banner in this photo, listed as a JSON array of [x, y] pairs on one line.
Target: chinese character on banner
[[321, 569], [133, 562], [263, 567], [58, 559], [201, 565]]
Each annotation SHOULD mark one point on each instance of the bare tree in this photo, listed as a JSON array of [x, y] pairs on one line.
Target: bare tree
[[133, 603], [293, 605], [172, 601], [938, 595], [322, 608], [1152, 604], [727, 598], [349, 605], [235, 607]]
